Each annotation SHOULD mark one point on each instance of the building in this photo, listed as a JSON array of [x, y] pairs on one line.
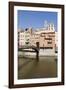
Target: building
[[34, 39], [47, 40], [56, 41], [21, 38], [46, 37], [24, 37]]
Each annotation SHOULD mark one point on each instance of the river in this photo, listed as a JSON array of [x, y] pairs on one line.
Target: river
[[29, 68]]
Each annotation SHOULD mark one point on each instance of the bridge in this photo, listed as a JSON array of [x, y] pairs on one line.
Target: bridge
[[32, 49]]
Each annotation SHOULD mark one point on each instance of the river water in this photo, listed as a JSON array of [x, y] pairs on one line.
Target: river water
[[29, 68]]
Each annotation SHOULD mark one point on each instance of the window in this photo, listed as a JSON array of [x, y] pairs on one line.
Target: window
[[51, 35], [48, 38], [27, 39], [52, 28], [49, 42], [42, 35], [27, 42]]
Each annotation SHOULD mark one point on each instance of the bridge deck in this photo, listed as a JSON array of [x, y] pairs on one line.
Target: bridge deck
[[35, 50], [29, 47]]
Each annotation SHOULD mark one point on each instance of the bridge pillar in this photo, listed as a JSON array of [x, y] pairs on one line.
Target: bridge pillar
[[37, 54]]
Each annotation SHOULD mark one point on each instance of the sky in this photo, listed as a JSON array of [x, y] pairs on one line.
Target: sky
[[35, 19]]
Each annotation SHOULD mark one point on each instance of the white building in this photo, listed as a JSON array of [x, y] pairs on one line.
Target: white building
[[56, 39], [24, 37], [27, 38], [21, 38]]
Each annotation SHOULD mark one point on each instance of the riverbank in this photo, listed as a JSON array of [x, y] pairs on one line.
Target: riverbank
[[41, 53]]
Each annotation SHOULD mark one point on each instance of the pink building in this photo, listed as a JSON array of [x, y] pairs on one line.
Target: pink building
[[47, 40]]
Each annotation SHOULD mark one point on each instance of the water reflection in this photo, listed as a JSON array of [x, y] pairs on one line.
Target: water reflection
[[29, 68]]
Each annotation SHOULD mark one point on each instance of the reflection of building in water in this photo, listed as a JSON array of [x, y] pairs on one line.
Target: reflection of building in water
[[46, 37]]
